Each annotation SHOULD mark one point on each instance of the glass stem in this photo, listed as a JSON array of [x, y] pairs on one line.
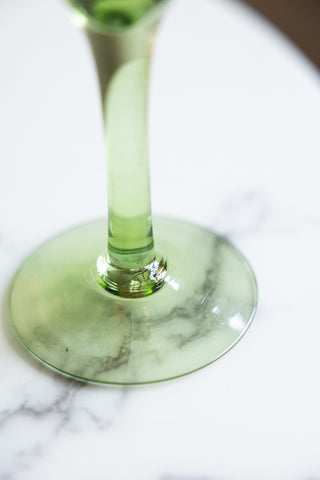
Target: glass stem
[[130, 240], [129, 266], [111, 51]]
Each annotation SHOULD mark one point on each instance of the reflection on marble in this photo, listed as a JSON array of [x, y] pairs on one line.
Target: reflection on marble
[[251, 171]]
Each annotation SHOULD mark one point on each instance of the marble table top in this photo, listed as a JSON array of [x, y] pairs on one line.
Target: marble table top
[[234, 146]]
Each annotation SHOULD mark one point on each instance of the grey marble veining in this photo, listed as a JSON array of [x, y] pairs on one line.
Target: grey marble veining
[[67, 320], [254, 414], [71, 410]]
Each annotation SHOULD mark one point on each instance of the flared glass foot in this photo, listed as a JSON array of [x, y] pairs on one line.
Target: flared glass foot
[[68, 321]]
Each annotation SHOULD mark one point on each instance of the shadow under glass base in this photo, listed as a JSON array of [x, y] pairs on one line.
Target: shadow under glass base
[[69, 322]]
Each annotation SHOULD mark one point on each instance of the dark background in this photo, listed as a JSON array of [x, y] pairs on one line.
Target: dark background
[[298, 19]]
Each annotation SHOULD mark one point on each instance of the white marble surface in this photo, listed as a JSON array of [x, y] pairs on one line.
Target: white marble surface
[[235, 146]]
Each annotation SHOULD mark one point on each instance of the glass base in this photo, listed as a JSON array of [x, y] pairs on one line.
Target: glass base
[[69, 322]]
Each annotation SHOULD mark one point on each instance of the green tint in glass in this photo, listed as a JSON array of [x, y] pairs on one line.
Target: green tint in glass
[[115, 15], [130, 303], [69, 322]]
